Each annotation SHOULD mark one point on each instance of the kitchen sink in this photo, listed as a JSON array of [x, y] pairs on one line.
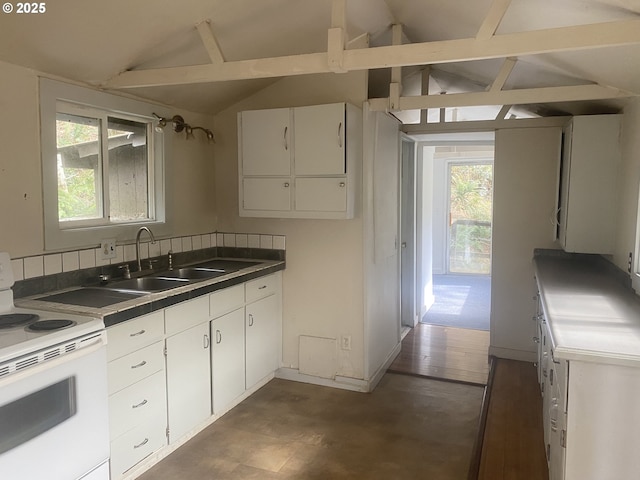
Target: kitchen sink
[[146, 284], [191, 273]]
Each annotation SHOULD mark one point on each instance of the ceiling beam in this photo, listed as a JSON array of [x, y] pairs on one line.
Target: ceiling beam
[[492, 20], [499, 46], [210, 42], [522, 96], [503, 74]]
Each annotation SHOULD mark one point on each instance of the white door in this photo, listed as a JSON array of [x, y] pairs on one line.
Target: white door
[[188, 380], [321, 194], [319, 139], [269, 194], [261, 342], [266, 142], [227, 358]]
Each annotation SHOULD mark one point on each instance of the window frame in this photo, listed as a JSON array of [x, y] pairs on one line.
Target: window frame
[[57, 96]]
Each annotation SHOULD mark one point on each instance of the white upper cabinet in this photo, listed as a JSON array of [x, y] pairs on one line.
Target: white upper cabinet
[[266, 142], [587, 184], [320, 140], [299, 162]]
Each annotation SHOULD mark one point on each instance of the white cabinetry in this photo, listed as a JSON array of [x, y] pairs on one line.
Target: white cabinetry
[[587, 184], [227, 348], [300, 162], [188, 366], [137, 391]]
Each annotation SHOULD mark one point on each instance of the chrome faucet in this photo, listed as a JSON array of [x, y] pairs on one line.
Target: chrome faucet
[[153, 240]]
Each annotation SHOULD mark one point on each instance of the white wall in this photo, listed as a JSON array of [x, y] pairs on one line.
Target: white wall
[[189, 171], [323, 284], [628, 182], [525, 169], [381, 250]]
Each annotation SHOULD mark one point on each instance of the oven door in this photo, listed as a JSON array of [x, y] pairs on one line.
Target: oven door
[[54, 417]]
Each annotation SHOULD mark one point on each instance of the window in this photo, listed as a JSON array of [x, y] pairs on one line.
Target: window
[[102, 164]]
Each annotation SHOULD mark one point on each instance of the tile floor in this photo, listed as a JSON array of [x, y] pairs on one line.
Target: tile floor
[[408, 428]]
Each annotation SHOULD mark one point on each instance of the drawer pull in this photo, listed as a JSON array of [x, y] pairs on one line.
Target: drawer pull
[[218, 336], [141, 364], [144, 442], [137, 333], [250, 320], [205, 341], [143, 402], [262, 287]]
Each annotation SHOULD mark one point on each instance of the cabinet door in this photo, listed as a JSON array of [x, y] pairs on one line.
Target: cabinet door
[[188, 380], [227, 358], [321, 194], [268, 194], [319, 139], [261, 339], [265, 142]]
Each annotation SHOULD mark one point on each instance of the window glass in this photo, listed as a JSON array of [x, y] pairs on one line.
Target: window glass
[[128, 170], [79, 167]]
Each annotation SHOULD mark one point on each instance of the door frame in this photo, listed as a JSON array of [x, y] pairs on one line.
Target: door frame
[[409, 295]]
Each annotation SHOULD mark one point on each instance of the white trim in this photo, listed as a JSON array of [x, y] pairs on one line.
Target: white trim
[[375, 379], [344, 383], [57, 238]]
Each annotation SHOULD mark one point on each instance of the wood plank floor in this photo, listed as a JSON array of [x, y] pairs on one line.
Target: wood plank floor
[[513, 445], [444, 352]]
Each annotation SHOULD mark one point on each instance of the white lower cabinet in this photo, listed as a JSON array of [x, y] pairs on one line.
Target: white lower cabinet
[[169, 371], [261, 346], [137, 391], [227, 359], [188, 366]]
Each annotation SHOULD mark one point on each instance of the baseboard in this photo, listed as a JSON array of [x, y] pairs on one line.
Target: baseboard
[[512, 354], [344, 383]]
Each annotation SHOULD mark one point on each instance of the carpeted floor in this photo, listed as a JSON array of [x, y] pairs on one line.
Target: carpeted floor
[[462, 301], [408, 428]]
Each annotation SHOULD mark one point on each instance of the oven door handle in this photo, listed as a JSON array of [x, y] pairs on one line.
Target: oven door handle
[[96, 344]]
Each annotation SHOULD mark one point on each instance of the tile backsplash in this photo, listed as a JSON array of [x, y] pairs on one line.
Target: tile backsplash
[[54, 263]]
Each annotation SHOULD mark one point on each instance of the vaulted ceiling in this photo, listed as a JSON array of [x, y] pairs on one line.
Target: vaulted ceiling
[[95, 42]]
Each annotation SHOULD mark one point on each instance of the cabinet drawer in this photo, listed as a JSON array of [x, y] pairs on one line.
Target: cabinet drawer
[[142, 402], [225, 301], [321, 194], [186, 315], [135, 445], [132, 335], [260, 287], [134, 367]]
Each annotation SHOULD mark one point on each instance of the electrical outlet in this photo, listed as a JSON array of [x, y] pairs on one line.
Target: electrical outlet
[[108, 249], [345, 342]]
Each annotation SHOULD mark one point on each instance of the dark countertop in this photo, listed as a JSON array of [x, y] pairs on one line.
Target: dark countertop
[[122, 311], [593, 314]]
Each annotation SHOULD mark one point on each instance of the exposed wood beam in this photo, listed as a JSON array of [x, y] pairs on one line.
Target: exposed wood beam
[[484, 125], [504, 97], [337, 37], [503, 74], [447, 51], [395, 88], [492, 20], [424, 90], [210, 42], [503, 112]]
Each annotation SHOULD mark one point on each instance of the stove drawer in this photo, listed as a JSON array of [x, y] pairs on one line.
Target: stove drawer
[[142, 402], [134, 367], [132, 335], [135, 445]]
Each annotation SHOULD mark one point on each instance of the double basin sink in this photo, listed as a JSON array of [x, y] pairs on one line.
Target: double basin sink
[[120, 290]]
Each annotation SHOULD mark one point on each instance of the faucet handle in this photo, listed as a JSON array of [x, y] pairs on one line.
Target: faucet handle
[[127, 272], [151, 263]]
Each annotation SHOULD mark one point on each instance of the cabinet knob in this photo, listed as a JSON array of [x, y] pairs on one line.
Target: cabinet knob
[[342, 184], [536, 339], [286, 184]]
